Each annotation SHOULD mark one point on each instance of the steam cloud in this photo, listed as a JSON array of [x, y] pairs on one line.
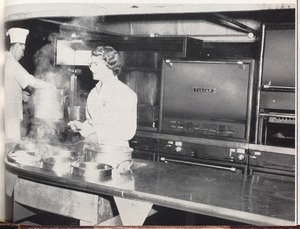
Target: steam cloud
[[59, 75]]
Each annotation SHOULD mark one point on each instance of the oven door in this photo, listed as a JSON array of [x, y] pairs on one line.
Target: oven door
[[277, 130]]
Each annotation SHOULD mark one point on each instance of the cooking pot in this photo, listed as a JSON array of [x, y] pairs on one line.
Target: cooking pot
[[75, 113], [61, 165], [92, 171], [107, 154], [49, 103]]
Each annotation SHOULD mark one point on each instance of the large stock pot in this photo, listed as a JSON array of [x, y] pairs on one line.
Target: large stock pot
[[49, 103]]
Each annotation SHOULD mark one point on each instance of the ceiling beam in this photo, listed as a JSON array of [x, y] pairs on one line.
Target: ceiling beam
[[36, 10], [237, 23]]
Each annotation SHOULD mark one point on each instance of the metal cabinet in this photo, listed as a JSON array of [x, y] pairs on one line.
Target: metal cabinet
[[275, 112]]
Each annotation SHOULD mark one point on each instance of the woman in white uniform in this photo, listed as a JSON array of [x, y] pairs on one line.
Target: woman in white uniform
[[111, 108], [16, 78]]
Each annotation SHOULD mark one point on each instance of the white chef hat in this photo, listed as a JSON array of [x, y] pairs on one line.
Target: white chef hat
[[17, 35]]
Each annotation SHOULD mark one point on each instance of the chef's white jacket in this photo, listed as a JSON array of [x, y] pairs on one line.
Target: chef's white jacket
[[16, 78], [111, 113]]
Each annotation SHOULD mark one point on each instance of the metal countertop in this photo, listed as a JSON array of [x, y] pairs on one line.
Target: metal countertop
[[248, 199]]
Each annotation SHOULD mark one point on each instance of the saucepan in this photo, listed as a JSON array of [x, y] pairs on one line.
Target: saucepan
[[61, 165], [92, 171], [108, 154], [95, 171], [75, 113]]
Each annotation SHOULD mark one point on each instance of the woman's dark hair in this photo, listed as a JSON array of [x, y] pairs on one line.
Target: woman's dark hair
[[110, 56]]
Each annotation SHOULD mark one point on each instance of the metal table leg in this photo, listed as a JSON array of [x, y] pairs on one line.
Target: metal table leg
[[133, 212]]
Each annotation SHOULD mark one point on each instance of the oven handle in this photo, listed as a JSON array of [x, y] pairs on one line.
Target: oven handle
[[166, 160], [268, 86], [278, 115]]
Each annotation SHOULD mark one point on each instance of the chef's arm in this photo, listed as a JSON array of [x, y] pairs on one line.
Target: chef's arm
[[37, 83], [25, 96]]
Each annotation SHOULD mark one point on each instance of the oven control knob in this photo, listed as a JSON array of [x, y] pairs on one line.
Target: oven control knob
[[178, 149], [241, 157]]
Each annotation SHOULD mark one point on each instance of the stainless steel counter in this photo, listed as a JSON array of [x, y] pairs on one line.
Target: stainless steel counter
[[247, 199]]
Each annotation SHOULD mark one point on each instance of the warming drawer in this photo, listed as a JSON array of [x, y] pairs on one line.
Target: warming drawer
[[272, 163], [277, 100], [203, 155], [201, 151]]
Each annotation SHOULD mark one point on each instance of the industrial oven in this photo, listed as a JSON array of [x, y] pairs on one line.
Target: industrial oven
[[210, 101]]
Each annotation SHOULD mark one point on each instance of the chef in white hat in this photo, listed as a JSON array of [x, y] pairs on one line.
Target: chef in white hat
[[16, 78]]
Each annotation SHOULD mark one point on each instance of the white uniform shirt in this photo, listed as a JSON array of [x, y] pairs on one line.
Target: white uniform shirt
[[16, 78], [111, 113]]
